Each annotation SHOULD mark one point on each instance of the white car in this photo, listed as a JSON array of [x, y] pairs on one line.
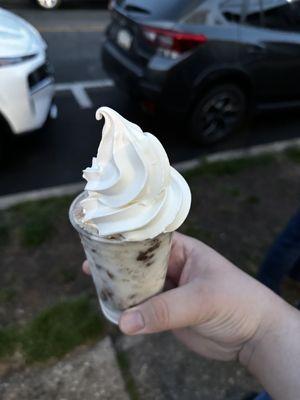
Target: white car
[[26, 81]]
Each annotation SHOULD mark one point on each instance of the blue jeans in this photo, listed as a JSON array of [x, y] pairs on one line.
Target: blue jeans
[[283, 258], [263, 396]]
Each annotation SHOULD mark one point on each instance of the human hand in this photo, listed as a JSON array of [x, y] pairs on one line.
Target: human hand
[[214, 309], [222, 313]]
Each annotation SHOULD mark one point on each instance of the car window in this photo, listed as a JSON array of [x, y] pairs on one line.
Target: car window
[[282, 15], [173, 10], [253, 13], [232, 9]]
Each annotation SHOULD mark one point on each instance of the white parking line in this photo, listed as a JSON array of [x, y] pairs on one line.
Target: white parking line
[[81, 96], [76, 28], [100, 83], [79, 92]]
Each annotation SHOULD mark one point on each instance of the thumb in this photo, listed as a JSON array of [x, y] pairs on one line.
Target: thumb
[[176, 308]]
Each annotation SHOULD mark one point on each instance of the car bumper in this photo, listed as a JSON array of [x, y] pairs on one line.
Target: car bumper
[[125, 73], [158, 81], [26, 95]]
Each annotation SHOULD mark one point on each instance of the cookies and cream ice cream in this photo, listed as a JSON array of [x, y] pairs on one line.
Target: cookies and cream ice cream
[[133, 201], [132, 189]]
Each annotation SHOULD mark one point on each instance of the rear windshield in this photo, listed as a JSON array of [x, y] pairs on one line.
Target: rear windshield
[[160, 9]]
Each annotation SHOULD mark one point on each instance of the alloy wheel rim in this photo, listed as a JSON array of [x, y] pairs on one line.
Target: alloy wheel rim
[[219, 115], [48, 3]]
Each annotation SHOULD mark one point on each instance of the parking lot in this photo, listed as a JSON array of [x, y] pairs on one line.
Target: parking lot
[[205, 63], [57, 153]]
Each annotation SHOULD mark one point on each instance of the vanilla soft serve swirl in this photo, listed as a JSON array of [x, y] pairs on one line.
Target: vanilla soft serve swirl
[[132, 189]]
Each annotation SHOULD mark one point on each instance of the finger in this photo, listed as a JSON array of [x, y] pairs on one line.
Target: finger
[[193, 341], [177, 257], [86, 268], [169, 284], [174, 309], [180, 250], [205, 346]]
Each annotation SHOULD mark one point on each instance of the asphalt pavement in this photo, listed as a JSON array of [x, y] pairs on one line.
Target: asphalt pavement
[[56, 154]]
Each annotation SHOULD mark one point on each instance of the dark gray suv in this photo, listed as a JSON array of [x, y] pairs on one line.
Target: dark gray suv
[[208, 61]]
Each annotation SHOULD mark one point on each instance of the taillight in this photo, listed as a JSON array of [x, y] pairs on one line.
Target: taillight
[[172, 43]]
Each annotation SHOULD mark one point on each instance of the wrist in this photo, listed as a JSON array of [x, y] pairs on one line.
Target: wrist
[[275, 316], [272, 355]]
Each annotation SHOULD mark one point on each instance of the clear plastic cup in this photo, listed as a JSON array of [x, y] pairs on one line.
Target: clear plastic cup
[[125, 273]]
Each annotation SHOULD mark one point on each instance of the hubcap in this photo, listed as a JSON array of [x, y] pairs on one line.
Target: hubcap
[[48, 3], [219, 115]]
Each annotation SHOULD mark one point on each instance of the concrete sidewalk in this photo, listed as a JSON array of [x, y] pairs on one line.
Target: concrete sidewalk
[[86, 374], [163, 369], [157, 366]]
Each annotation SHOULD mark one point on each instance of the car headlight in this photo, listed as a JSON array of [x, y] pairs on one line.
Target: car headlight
[[5, 61]]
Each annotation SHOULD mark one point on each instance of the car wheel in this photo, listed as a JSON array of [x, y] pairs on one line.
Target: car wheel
[[48, 4], [219, 113], [5, 139]]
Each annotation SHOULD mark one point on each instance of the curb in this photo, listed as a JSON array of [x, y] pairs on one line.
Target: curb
[[73, 188], [55, 191], [270, 148]]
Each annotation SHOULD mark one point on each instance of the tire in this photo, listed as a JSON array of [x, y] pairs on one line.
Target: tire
[[5, 139], [48, 4], [219, 113]]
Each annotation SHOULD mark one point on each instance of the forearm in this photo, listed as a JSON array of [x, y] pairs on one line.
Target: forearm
[[274, 356]]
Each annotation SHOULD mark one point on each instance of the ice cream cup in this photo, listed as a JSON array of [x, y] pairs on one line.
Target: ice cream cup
[[125, 273]]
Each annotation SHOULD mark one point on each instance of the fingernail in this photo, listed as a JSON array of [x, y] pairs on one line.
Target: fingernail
[[132, 322]]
